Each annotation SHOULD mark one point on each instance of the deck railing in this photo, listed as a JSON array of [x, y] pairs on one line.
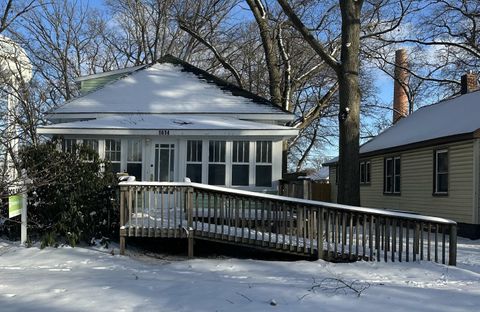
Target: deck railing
[[328, 231]]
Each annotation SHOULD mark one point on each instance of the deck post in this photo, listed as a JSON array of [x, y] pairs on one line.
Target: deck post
[[320, 220], [122, 220], [189, 208], [122, 245], [452, 246]]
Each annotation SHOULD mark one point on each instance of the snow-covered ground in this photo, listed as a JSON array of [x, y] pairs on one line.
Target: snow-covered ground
[[89, 279]]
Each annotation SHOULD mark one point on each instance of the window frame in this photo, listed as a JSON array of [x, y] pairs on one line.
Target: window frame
[[70, 147], [217, 158], [263, 160], [197, 160], [241, 158], [394, 174], [108, 152], [436, 172], [366, 164], [136, 161]]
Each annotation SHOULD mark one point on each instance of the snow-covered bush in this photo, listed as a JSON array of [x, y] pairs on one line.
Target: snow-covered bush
[[70, 199]]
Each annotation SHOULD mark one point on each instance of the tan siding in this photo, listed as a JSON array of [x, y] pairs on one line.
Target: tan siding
[[333, 183], [93, 84], [417, 184]]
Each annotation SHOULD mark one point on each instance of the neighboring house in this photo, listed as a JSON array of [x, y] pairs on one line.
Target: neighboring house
[[170, 120], [428, 162]]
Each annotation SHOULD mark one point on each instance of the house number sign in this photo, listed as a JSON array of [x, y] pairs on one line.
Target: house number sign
[[163, 132]]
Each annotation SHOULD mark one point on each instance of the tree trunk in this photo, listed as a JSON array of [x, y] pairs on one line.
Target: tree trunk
[[349, 115], [269, 47]]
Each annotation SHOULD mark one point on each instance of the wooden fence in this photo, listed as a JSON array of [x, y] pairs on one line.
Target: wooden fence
[[284, 224], [306, 189]]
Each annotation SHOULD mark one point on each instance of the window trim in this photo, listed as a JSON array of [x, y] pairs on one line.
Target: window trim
[[120, 162], [436, 173], [367, 167], [394, 160], [242, 159], [198, 156], [268, 160], [140, 162], [217, 159]]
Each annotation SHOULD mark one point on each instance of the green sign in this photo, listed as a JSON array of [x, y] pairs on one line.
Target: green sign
[[15, 205]]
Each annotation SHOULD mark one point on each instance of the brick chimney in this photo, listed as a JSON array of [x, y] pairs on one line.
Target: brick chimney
[[400, 98], [469, 83]]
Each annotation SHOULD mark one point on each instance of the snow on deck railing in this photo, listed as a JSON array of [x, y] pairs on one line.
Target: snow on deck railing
[[292, 225]]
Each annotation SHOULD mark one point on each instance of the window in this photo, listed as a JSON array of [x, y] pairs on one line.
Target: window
[[365, 172], [216, 165], [91, 144], [440, 180], [263, 168], [392, 175], [113, 154], [194, 161], [68, 145], [240, 162], [134, 158]]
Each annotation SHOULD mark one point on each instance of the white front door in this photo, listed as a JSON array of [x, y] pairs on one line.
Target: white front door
[[164, 161]]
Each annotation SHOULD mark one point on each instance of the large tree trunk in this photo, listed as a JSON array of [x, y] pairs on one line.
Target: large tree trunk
[[270, 50], [349, 115]]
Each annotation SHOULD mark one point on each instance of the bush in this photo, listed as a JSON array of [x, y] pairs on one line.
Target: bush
[[71, 199]]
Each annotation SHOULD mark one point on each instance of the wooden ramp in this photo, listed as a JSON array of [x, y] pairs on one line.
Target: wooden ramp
[[282, 224]]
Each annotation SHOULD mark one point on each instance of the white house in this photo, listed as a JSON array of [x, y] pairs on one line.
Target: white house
[[170, 120]]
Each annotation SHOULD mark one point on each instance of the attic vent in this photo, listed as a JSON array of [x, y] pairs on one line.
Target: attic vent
[[182, 122]]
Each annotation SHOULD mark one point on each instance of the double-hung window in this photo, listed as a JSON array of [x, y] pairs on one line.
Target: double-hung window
[[68, 145], [216, 162], [194, 160], [440, 181], [113, 149], [92, 144], [240, 161], [134, 158], [392, 175], [263, 167], [365, 172]]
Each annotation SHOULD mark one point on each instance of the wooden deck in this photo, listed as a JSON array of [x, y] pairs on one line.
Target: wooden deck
[[283, 224]]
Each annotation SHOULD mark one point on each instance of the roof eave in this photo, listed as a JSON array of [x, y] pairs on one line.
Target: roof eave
[[428, 143]]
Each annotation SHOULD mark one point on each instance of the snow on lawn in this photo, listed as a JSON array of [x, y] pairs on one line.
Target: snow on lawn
[[88, 279]]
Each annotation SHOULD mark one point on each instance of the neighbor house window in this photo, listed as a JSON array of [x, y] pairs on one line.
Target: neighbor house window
[[365, 172], [392, 175], [263, 167], [68, 145], [194, 161], [240, 161], [134, 158], [113, 153], [441, 172], [91, 144], [216, 162]]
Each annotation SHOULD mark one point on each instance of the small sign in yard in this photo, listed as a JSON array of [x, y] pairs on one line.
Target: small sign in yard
[[15, 203]]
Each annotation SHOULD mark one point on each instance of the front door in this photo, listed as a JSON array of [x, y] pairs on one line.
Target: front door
[[164, 162]]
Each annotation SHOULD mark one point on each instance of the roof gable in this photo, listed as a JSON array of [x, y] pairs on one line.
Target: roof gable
[[169, 86]]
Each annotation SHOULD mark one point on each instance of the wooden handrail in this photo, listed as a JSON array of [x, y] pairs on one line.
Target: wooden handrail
[[327, 230]]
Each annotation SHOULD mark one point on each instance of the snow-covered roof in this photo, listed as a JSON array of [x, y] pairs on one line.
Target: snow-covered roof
[[181, 124], [170, 87], [322, 174], [448, 118]]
